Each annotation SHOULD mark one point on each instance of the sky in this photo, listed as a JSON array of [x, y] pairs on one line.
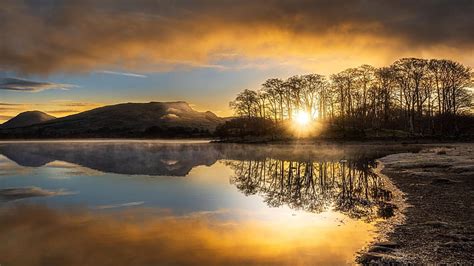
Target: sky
[[64, 57]]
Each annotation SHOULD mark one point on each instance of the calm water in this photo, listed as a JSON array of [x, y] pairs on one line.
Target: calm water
[[148, 203]]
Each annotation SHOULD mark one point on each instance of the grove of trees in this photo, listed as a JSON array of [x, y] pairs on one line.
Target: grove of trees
[[422, 97]]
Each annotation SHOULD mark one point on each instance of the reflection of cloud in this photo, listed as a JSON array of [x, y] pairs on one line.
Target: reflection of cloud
[[29, 192], [70, 169], [169, 116], [9, 168], [15, 84], [162, 35], [169, 162], [115, 238], [9, 104]]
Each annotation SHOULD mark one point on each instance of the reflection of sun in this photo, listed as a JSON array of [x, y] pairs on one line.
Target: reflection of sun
[[302, 118]]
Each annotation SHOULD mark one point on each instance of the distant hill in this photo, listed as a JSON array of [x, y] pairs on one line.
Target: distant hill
[[27, 119], [154, 119]]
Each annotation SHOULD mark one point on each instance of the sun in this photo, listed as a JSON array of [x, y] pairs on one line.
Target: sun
[[302, 118]]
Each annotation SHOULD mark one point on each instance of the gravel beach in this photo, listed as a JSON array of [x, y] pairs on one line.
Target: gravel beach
[[438, 187]]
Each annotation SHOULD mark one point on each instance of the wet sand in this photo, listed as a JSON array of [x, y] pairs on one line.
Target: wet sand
[[438, 186]]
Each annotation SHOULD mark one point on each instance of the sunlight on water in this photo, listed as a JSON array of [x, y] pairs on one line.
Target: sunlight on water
[[150, 203], [65, 237]]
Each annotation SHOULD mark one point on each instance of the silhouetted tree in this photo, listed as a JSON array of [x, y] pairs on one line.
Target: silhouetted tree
[[414, 95]]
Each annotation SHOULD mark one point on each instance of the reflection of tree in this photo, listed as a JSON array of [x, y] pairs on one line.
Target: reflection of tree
[[349, 187]]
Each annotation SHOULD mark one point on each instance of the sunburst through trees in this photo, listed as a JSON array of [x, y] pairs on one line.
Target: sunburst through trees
[[417, 96]]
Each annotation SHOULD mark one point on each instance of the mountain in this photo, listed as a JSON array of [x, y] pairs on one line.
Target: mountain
[[154, 119], [27, 119]]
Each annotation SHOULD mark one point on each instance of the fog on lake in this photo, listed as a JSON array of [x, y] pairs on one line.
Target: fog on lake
[[283, 204]]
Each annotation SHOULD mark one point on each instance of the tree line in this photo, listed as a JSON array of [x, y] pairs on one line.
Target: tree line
[[419, 96]]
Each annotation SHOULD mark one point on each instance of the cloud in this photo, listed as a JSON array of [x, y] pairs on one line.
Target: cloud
[[122, 74], [23, 85], [163, 35], [80, 104], [121, 205], [70, 103], [6, 109], [63, 111]]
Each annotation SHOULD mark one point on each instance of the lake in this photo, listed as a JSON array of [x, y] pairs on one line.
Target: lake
[[187, 202]]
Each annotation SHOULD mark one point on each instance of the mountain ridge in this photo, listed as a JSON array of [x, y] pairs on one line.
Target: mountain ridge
[[153, 119], [27, 118]]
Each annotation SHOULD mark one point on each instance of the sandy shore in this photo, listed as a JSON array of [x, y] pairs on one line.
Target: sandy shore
[[438, 186]]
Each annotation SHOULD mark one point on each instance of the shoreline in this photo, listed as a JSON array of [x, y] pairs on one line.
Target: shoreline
[[108, 140], [375, 141], [438, 188], [376, 249]]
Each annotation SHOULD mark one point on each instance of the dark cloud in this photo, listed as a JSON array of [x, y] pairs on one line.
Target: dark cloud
[[17, 193], [23, 85], [45, 36]]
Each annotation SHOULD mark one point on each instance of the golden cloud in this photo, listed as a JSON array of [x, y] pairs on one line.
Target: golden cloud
[[162, 35]]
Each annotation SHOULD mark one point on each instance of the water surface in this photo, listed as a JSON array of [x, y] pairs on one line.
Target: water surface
[[153, 202]]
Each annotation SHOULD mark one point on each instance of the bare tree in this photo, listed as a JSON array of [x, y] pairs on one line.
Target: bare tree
[[274, 88], [412, 94], [246, 104]]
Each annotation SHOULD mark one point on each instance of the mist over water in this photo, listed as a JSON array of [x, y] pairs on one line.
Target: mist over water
[[113, 203]]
